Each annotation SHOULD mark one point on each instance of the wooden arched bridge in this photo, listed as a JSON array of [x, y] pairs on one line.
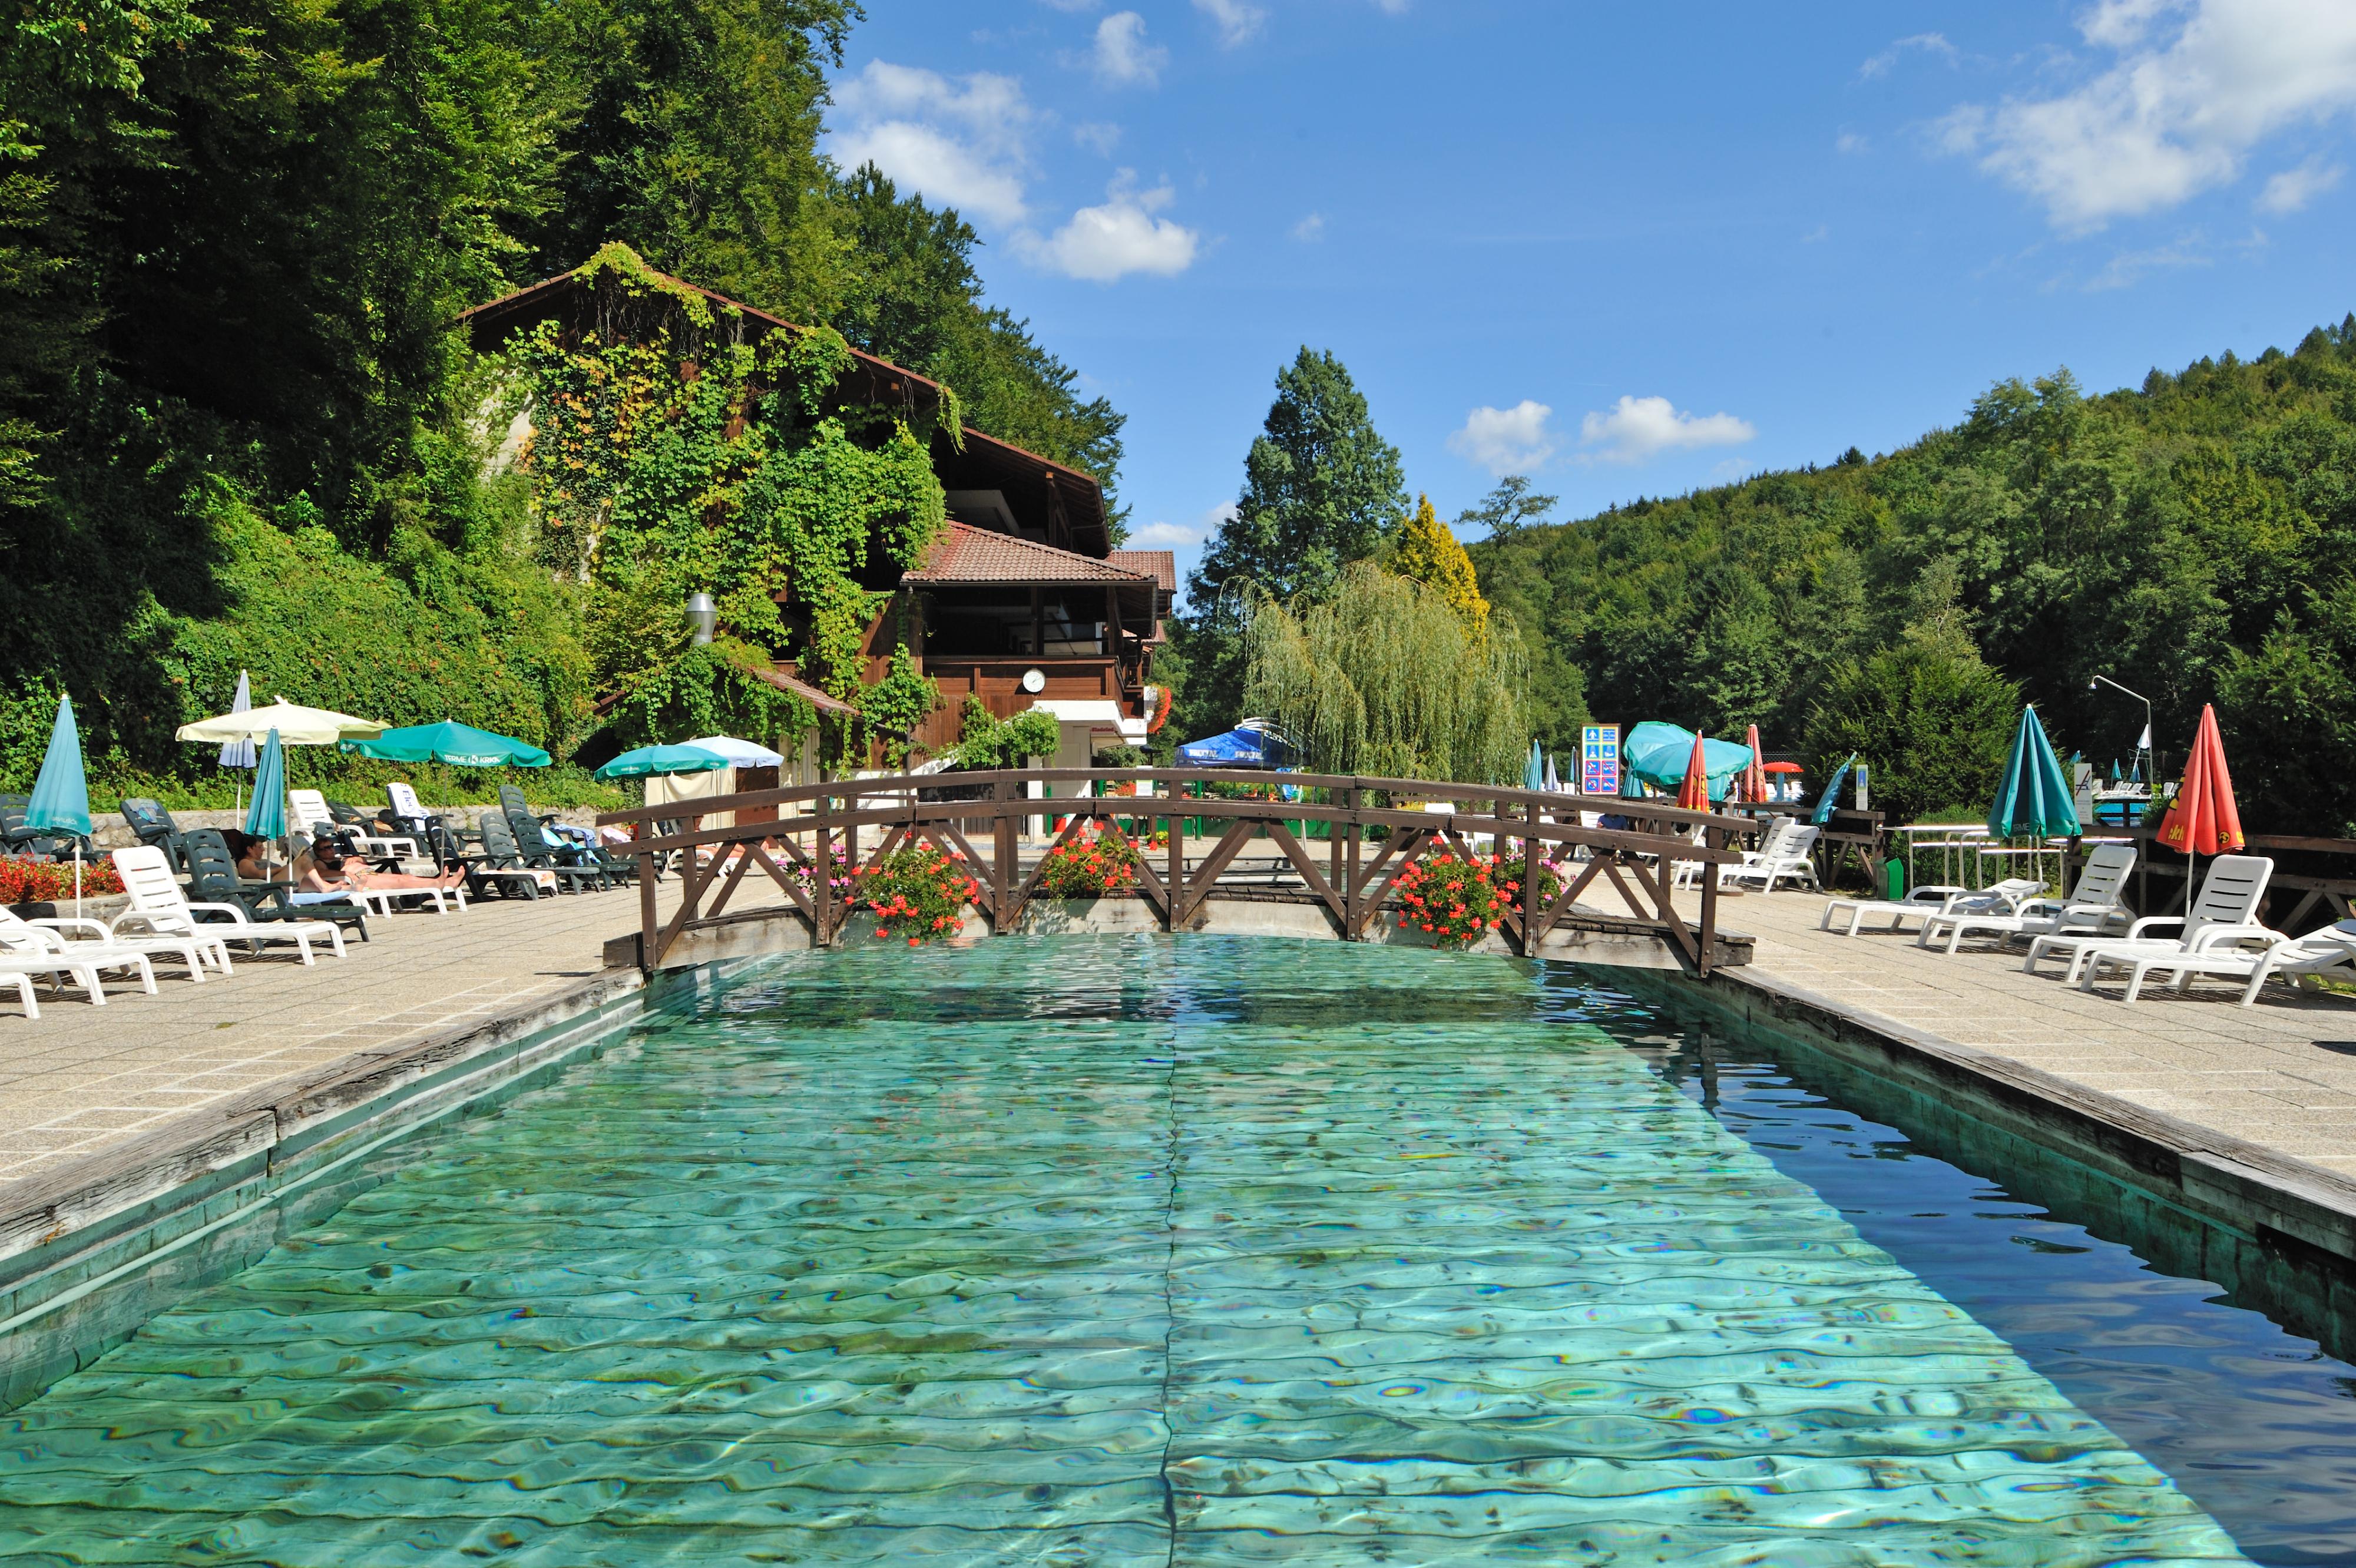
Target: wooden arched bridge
[[1325, 861]]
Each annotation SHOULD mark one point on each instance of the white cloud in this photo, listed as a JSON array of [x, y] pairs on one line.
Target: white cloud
[[1123, 236], [1929, 43], [2128, 266], [1237, 21], [1641, 428], [1850, 142], [2177, 114], [2295, 188], [1122, 55], [1097, 135], [962, 143], [1506, 440], [1392, 8], [1164, 536], [1310, 228]]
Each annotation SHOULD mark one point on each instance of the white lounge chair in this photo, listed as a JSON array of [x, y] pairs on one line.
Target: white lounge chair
[[103, 936], [2334, 947], [2224, 913], [159, 907], [1784, 856], [1923, 903], [307, 814], [27, 949], [2092, 908]]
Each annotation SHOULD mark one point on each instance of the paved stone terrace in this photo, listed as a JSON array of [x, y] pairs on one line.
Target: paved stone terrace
[[79, 1077], [2281, 1073]]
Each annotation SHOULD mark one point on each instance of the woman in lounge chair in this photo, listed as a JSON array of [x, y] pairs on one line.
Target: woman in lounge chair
[[322, 871]]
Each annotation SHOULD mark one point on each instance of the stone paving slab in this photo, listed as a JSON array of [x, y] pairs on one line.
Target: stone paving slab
[[2280, 1074], [80, 1076]]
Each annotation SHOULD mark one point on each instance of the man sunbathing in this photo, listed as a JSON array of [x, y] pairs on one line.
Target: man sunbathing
[[324, 867]]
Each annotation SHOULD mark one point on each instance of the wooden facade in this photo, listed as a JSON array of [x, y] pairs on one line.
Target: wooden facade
[[1024, 584]]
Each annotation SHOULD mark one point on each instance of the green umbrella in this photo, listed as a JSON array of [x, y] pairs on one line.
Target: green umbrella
[[1826, 801], [1534, 776], [267, 818], [460, 746], [2034, 798], [662, 759], [60, 795]]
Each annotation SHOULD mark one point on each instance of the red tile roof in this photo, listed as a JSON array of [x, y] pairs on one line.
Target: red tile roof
[[969, 555], [1162, 566]]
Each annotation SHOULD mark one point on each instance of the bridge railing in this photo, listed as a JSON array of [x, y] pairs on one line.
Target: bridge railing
[[809, 826]]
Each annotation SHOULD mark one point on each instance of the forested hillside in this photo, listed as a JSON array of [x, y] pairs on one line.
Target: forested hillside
[[235, 427], [2194, 539]]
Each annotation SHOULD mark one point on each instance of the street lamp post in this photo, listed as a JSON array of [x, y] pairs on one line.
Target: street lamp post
[[2146, 748]]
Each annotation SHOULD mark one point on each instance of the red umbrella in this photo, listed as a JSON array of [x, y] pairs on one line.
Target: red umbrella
[[2202, 819], [1754, 778], [1693, 795]]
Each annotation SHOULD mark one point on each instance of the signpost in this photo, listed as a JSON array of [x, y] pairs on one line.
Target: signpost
[[1599, 759]]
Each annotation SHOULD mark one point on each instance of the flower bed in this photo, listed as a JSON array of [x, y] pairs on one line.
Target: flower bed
[[916, 894], [1089, 866], [48, 881]]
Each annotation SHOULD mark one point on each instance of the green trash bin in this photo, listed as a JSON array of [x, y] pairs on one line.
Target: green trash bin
[[1893, 878]]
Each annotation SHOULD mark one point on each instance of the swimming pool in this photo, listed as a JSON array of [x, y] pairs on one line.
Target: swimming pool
[[1130, 1251]]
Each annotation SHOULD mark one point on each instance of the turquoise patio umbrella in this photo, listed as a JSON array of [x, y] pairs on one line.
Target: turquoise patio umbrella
[[267, 818], [460, 746], [2033, 799], [1534, 776], [60, 795], [648, 760]]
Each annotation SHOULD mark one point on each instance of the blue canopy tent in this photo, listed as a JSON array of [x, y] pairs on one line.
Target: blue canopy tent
[[1242, 746], [1657, 754]]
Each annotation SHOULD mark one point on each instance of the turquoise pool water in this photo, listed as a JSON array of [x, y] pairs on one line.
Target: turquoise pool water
[[1092, 1251]]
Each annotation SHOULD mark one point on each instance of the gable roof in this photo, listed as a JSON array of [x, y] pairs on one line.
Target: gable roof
[[1057, 490], [1162, 566], [967, 554]]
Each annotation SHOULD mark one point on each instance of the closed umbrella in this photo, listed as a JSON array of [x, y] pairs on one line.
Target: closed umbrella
[[1832, 791], [1553, 780], [1754, 778], [1692, 793], [2203, 819], [1534, 776], [648, 760], [60, 802], [2033, 799], [267, 818], [460, 746], [239, 752]]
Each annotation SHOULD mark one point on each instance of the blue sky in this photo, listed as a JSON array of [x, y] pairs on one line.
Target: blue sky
[[1628, 250]]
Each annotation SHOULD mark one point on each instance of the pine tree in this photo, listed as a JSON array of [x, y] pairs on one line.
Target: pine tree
[[1428, 554], [1322, 490]]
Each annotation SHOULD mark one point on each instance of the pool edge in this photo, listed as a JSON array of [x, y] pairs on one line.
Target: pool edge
[[2306, 1212], [93, 1248]]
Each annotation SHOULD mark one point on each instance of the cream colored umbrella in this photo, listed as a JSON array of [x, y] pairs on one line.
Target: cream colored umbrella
[[296, 725]]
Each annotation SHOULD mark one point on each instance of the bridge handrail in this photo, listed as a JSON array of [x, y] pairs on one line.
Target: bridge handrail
[[1418, 788]]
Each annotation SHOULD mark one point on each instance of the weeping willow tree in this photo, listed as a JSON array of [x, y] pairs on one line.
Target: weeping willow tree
[[1383, 675]]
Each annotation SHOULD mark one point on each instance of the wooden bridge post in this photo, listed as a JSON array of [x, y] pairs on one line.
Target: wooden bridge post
[[1003, 866], [1174, 888], [1713, 838], [822, 875], [1350, 869], [649, 929]]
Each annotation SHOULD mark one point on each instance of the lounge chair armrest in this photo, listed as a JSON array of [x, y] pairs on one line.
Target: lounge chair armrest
[[64, 922], [236, 912], [2213, 936], [2152, 922]]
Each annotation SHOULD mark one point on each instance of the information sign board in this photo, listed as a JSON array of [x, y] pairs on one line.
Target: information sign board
[[1599, 759]]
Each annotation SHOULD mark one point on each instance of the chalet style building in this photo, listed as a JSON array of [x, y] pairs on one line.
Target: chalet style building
[[1023, 602]]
